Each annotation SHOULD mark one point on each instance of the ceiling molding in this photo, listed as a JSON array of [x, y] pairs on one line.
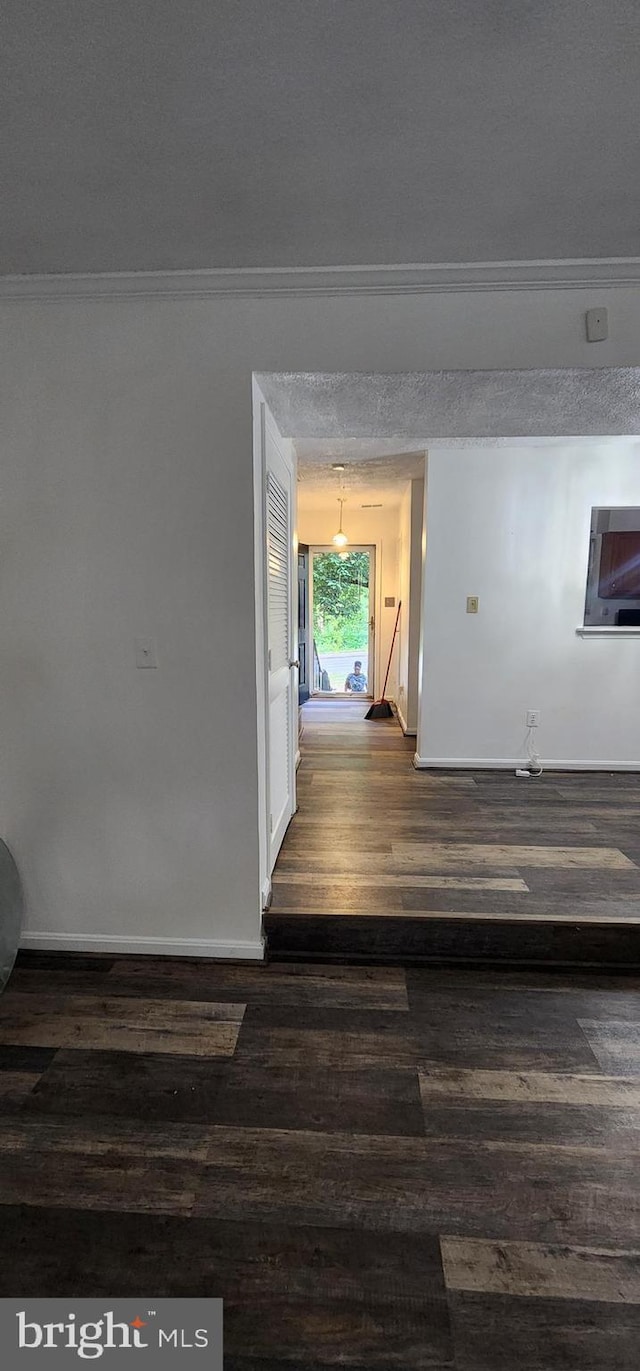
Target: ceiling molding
[[259, 282]]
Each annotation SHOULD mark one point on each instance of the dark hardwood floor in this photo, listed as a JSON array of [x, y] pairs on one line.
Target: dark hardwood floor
[[375, 1167], [383, 861]]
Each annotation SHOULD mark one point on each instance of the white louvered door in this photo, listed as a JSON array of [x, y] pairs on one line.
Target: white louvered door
[[281, 642]]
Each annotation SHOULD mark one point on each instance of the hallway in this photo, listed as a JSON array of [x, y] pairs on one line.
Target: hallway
[[385, 861]]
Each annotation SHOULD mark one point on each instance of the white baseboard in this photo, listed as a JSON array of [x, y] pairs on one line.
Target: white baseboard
[[408, 732], [141, 946], [510, 764], [265, 893]]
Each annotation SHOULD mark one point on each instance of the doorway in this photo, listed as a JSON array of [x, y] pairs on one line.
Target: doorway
[[342, 618]]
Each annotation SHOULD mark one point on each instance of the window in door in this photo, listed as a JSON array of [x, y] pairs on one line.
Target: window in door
[[342, 594]]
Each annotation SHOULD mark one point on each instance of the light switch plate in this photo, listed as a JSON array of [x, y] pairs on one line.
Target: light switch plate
[[472, 604], [146, 653]]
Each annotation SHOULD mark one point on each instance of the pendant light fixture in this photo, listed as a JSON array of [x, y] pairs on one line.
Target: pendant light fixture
[[340, 538]]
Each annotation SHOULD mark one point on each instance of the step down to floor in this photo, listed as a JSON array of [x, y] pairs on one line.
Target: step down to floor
[[525, 942]]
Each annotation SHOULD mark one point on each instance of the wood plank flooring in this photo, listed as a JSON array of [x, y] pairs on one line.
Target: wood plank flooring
[[375, 1166], [383, 861]]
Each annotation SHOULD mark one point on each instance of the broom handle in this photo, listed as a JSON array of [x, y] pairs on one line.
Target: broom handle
[[384, 688]]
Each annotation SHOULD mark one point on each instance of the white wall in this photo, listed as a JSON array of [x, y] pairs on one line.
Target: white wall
[[317, 523], [511, 525], [411, 523], [129, 797]]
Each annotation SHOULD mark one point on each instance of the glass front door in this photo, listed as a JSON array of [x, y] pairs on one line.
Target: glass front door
[[342, 595]]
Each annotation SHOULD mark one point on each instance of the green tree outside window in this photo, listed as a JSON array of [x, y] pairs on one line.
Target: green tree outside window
[[341, 601]]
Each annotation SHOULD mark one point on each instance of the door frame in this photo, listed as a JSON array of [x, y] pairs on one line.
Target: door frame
[[373, 616], [263, 420], [304, 550]]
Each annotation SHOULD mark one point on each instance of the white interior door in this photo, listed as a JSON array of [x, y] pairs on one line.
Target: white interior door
[[281, 640]]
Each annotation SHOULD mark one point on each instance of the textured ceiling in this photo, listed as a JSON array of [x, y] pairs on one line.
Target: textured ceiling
[[371, 477], [349, 416], [148, 134], [324, 493]]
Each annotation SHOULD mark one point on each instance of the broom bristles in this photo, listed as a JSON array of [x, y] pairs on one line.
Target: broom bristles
[[381, 709]]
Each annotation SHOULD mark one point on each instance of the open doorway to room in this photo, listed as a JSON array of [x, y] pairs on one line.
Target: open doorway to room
[[339, 521], [354, 591], [411, 850], [342, 602]]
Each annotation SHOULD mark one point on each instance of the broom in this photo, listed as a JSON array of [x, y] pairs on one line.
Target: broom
[[381, 709]]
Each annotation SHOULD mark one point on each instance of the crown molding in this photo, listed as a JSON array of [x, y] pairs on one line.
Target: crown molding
[[262, 282]]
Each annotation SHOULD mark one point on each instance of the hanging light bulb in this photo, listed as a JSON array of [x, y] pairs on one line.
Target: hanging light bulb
[[340, 538]]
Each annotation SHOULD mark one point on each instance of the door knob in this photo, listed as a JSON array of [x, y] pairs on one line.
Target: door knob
[[296, 663]]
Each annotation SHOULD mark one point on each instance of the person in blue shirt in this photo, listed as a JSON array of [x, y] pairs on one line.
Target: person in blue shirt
[[356, 680]]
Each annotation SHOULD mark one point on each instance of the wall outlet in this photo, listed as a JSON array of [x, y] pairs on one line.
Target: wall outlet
[[533, 718], [472, 604]]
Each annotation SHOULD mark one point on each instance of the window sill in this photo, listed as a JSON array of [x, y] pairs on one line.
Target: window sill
[[601, 631]]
